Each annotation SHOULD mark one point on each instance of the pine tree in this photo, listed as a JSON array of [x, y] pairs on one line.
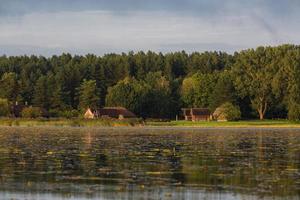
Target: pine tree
[[88, 95]]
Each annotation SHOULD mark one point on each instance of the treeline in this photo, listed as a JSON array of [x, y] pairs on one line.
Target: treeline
[[262, 82]]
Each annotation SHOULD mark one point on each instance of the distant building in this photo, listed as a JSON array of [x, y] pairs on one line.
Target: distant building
[[196, 114], [110, 112]]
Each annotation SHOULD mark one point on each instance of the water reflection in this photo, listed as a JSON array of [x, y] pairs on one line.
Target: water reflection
[[80, 163]]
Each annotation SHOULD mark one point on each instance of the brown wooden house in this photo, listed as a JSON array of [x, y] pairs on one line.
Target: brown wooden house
[[196, 114], [109, 112]]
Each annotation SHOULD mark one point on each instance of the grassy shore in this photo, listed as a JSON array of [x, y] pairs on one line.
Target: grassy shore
[[69, 122], [245, 123], [138, 122]]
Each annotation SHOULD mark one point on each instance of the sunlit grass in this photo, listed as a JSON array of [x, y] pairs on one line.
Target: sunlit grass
[[69, 122], [77, 122], [246, 123]]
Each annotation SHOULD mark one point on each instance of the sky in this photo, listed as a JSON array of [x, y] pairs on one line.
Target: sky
[[47, 27]]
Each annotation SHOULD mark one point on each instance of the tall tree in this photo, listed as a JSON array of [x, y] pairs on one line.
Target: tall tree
[[223, 91], [128, 93], [253, 78], [88, 95], [197, 90], [41, 93], [9, 86], [158, 100]]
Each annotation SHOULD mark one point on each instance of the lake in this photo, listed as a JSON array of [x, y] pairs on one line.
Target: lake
[[149, 163]]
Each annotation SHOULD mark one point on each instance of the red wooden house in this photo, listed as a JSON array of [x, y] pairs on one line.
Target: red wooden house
[[196, 114]]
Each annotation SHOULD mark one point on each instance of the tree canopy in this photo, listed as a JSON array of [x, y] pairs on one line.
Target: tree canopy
[[265, 81]]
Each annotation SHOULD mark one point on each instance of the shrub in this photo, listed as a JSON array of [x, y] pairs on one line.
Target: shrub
[[227, 112], [4, 108], [32, 112]]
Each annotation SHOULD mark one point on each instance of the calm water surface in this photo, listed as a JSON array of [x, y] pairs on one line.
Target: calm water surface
[[149, 163]]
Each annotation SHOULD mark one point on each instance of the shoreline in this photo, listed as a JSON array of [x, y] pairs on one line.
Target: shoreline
[[140, 124], [161, 127]]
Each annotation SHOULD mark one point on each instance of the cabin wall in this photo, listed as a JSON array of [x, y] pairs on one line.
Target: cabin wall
[[200, 117], [89, 115]]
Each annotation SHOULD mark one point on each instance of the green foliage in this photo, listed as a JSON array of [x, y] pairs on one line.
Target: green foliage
[[88, 95], [176, 64], [223, 91], [4, 108], [128, 93], [188, 91], [9, 86], [158, 101], [69, 114], [41, 93], [286, 82], [208, 62], [253, 72], [197, 90], [32, 112], [262, 80], [228, 112], [294, 112]]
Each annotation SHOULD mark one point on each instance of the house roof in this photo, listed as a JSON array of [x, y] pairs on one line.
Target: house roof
[[113, 112], [197, 111]]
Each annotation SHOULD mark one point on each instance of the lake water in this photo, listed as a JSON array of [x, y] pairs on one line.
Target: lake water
[[149, 163]]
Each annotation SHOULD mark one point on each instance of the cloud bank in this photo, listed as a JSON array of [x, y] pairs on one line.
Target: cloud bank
[[90, 26]]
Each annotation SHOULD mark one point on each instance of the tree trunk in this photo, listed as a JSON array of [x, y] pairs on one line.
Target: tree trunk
[[262, 110], [261, 115]]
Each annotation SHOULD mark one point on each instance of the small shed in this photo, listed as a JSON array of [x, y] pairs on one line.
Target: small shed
[[109, 112], [196, 114]]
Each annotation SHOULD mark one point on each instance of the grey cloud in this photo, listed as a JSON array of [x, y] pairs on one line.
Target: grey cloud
[[268, 27], [194, 7], [100, 26], [14, 50]]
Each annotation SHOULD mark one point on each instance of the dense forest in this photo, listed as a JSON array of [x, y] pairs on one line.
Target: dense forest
[[262, 82]]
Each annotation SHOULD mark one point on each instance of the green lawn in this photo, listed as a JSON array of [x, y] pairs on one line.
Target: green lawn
[[138, 122], [245, 123]]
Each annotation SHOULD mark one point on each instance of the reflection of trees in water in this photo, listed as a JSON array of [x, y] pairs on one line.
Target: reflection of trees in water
[[140, 158], [265, 160], [247, 161]]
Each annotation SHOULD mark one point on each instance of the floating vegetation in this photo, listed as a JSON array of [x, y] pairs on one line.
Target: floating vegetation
[[260, 163]]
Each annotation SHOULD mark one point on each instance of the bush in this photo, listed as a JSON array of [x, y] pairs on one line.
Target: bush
[[227, 112], [4, 108], [32, 112]]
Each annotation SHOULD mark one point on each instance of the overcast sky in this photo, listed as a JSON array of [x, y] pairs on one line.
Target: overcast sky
[[46, 27]]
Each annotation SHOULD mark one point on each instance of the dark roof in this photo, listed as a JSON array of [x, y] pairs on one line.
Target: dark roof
[[200, 111], [197, 111], [113, 112]]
